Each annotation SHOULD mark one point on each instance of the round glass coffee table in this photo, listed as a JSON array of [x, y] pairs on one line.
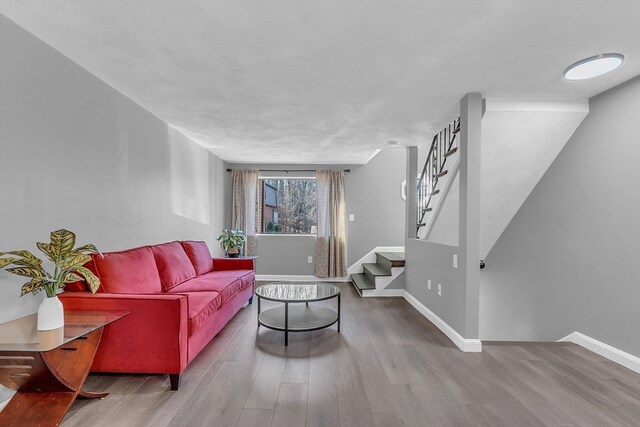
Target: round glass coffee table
[[297, 317]]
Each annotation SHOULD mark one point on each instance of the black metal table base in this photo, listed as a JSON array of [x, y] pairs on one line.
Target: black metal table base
[[298, 318]]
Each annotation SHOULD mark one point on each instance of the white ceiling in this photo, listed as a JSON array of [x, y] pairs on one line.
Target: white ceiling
[[328, 81]]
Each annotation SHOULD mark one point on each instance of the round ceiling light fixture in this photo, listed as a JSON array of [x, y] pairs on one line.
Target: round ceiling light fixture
[[594, 66]]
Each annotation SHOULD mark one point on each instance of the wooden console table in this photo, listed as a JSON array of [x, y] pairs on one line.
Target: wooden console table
[[48, 368]]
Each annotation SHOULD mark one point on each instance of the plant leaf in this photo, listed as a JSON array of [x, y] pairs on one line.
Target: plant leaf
[[27, 271], [87, 249], [7, 261], [71, 277], [29, 258], [92, 279], [46, 249], [62, 242], [25, 262], [34, 286], [74, 260]]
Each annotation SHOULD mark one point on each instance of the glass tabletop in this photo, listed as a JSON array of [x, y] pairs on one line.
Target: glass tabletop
[[23, 335], [297, 291]]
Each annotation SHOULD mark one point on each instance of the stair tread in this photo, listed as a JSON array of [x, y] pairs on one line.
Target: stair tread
[[360, 281], [392, 256], [375, 269], [391, 259]]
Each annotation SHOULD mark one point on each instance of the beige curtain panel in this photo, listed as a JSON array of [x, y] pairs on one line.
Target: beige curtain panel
[[331, 244], [244, 184]]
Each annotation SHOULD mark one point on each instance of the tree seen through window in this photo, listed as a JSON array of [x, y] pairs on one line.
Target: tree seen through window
[[288, 206]]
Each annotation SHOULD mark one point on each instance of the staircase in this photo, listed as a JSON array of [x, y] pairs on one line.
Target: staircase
[[383, 278], [520, 140]]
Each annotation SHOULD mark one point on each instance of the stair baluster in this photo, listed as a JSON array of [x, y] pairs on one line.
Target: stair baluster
[[442, 147]]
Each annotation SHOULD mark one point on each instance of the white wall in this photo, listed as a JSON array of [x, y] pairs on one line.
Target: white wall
[[77, 154]]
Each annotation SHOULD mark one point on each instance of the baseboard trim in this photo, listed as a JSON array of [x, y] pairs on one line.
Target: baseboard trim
[[383, 293], [298, 278], [466, 345], [605, 350]]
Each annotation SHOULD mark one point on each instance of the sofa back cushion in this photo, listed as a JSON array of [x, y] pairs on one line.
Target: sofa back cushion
[[128, 272], [174, 267], [198, 253]]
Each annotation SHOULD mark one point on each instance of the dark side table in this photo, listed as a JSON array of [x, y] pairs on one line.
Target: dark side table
[[48, 368]]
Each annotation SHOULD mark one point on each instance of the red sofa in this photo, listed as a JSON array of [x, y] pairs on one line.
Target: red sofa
[[179, 298]]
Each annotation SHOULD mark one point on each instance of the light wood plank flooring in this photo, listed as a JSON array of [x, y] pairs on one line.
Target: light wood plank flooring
[[388, 367]]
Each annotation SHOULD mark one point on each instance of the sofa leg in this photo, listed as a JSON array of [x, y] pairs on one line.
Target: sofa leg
[[251, 300], [174, 379]]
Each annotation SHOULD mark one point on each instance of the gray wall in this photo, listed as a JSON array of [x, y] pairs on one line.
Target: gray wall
[[285, 254], [570, 258], [458, 304], [77, 154], [373, 195], [427, 260]]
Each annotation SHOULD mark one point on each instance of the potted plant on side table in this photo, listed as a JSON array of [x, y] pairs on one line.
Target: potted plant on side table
[[231, 242], [68, 267]]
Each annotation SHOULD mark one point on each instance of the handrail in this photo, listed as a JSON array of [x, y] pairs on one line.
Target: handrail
[[442, 146]]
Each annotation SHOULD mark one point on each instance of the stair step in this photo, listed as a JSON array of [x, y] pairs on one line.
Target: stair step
[[433, 193], [375, 270], [427, 210], [441, 174], [450, 152], [361, 282], [395, 258]]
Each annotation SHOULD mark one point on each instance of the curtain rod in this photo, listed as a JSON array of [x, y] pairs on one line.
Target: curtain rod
[[289, 170]]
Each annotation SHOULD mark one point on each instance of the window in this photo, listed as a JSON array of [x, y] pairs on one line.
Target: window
[[288, 206]]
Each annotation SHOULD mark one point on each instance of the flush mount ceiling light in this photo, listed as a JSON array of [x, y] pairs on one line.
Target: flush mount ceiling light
[[594, 66]]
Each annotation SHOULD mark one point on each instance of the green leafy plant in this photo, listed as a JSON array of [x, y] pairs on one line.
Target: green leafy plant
[[69, 264], [231, 239]]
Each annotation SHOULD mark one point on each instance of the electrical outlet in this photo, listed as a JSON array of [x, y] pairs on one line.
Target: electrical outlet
[[439, 289], [429, 284], [310, 259], [455, 260], [352, 217]]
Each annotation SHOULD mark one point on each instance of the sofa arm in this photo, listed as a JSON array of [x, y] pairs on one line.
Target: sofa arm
[[221, 264], [152, 338]]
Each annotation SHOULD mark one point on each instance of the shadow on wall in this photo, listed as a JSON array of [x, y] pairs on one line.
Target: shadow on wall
[[189, 178]]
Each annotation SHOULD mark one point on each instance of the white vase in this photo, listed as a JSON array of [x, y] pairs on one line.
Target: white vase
[[50, 314]]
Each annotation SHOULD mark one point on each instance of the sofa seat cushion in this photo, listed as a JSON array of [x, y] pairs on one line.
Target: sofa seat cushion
[[246, 277], [133, 271], [174, 266], [202, 305], [198, 253], [226, 283]]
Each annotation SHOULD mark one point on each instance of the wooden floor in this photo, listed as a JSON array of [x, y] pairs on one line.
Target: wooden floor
[[388, 367]]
